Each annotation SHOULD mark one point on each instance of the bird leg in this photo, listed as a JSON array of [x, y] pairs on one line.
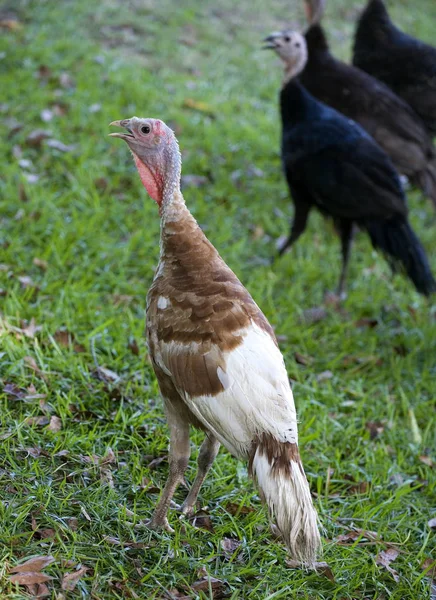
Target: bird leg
[[208, 451], [346, 229], [297, 227], [178, 461]]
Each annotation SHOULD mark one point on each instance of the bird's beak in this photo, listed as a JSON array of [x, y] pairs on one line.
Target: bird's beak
[[271, 41], [124, 123]]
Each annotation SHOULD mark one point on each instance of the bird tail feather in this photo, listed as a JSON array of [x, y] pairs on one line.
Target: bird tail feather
[[398, 241], [277, 469]]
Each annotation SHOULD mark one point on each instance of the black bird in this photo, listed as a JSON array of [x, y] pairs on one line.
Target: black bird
[[354, 93], [405, 64], [331, 163]]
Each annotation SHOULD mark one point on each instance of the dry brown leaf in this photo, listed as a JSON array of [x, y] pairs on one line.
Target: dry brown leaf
[[236, 509], [122, 299], [229, 546], [55, 424], [11, 24], [33, 564], [202, 520], [324, 376], [385, 557], [58, 145], [40, 420], [133, 346], [429, 565], [73, 523], [375, 428], [107, 375], [36, 138], [205, 584], [12, 390], [70, 580], [31, 363], [39, 262], [301, 359], [31, 329], [366, 322], [314, 315], [426, 460], [65, 338], [26, 282], [23, 578]]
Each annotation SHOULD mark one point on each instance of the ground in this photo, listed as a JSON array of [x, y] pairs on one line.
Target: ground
[[82, 431]]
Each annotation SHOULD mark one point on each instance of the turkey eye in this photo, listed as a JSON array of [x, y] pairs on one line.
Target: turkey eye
[[287, 38], [145, 129]]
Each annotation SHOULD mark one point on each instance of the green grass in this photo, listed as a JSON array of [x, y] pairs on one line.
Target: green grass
[[80, 493]]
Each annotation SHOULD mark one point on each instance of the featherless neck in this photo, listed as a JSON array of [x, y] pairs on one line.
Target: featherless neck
[[296, 104]]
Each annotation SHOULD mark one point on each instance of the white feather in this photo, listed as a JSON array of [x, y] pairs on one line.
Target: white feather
[[257, 396]]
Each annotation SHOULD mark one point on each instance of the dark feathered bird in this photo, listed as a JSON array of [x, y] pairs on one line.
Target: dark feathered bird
[[333, 164], [405, 64], [384, 115]]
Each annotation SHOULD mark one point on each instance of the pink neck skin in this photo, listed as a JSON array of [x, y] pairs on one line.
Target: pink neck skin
[[153, 182]]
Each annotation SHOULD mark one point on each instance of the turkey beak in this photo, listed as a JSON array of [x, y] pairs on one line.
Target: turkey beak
[[124, 123], [271, 41]]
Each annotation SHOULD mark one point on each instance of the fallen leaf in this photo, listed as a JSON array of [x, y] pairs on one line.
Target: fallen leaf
[[43, 72], [432, 524], [133, 346], [155, 462], [46, 115], [10, 389], [324, 375], [375, 428], [119, 299], [366, 322], [70, 580], [321, 567], [38, 563], [37, 136], [66, 339], [426, 460], [385, 557], [229, 546], [201, 520], [66, 80], [55, 424], [217, 586], [26, 282], [11, 24], [236, 509], [40, 420], [31, 363], [32, 328], [313, 315], [301, 359], [39, 262], [58, 145], [73, 523], [29, 578], [107, 375], [429, 565]]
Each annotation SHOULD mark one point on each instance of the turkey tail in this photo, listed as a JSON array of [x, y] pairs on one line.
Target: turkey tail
[[426, 181], [277, 469], [398, 241]]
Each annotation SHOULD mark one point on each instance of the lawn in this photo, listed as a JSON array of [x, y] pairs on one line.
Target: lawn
[[83, 439]]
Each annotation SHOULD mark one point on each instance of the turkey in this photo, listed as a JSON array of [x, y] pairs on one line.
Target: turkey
[[357, 95], [331, 163], [405, 64], [215, 357]]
